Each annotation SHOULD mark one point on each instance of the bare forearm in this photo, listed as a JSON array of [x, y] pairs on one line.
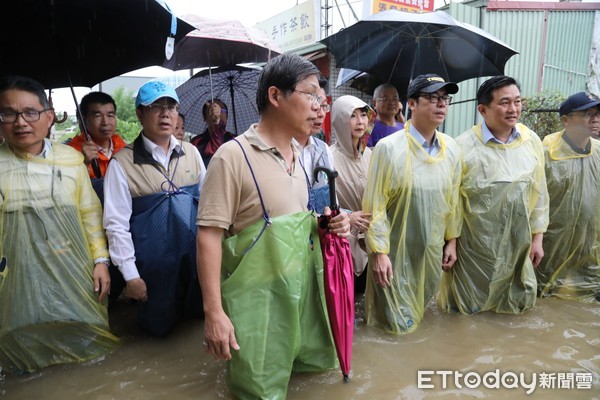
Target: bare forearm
[[208, 262]]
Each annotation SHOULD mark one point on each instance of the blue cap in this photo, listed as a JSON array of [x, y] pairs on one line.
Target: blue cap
[[152, 91], [578, 102]]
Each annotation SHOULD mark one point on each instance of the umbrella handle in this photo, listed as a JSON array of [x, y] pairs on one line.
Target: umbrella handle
[[331, 175]]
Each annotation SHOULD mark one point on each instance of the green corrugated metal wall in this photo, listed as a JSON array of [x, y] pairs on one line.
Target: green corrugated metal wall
[[523, 31], [567, 50], [568, 47], [462, 115]]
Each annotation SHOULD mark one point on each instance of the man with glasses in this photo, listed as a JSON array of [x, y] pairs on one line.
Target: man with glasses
[[412, 195], [316, 153], [505, 208], [151, 200], [571, 266], [53, 257], [259, 258], [387, 105]]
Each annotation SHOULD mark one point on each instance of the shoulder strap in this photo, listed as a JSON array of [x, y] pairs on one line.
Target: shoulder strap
[[265, 216]]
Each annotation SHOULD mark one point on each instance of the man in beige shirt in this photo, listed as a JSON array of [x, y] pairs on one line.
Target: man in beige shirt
[[260, 284]]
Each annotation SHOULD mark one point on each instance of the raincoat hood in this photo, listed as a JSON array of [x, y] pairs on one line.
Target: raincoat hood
[[341, 111]]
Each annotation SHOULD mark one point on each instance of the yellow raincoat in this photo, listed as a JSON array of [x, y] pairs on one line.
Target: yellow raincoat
[[50, 234], [414, 201], [505, 202], [571, 265]]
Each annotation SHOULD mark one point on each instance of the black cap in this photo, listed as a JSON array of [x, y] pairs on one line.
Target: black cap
[[578, 102], [429, 83]]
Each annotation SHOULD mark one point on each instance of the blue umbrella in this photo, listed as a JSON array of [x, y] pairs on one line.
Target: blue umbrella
[[234, 85]]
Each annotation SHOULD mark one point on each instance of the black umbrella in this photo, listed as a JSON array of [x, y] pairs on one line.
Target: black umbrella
[[364, 81], [234, 85], [82, 42], [395, 46]]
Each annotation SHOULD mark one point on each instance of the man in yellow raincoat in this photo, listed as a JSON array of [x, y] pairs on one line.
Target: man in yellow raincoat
[[505, 208], [262, 285], [571, 265], [412, 194], [53, 256]]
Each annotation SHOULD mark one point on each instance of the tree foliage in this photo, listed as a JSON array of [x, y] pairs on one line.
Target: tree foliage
[[128, 126], [540, 112]]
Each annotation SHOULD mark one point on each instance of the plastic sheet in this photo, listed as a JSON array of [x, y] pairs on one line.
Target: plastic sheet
[[505, 201], [274, 297], [50, 230], [414, 203], [571, 265]]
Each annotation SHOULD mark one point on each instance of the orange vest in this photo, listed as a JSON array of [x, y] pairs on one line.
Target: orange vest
[[117, 143]]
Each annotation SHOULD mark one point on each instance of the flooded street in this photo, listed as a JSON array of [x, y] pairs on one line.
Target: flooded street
[[556, 337]]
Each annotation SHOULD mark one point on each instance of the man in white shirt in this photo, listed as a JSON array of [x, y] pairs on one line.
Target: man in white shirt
[[316, 153], [151, 200]]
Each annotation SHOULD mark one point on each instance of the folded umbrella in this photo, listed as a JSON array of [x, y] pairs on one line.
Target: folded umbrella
[[338, 273]]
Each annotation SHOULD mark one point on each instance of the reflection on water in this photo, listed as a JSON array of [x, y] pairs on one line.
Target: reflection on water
[[555, 337]]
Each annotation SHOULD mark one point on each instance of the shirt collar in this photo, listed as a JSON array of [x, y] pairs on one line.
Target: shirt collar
[[415, 133], [46, 150], [488, 136], [108, 152], [255, 140], [150, 146], [574, 147], [311, 142]]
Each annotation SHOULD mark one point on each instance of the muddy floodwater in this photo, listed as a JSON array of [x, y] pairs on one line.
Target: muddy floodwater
[[553, 351]]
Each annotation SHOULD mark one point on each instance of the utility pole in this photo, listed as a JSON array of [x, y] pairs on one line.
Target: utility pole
[[325, 19]]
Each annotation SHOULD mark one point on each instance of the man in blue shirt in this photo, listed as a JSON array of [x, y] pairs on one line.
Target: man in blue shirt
[[387, 104]]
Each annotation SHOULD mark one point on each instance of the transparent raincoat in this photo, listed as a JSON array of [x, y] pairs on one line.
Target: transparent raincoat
[[571, 265], [414, 201], [505, 202], [50, 233]]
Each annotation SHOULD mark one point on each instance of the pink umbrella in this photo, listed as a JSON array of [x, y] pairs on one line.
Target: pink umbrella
[[339, 280], [220, 42]]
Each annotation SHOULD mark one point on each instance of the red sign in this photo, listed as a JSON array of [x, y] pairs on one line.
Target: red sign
[[403, 5]]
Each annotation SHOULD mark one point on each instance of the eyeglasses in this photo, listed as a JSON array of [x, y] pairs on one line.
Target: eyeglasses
[[585, 114], [388, 99], [29, 115], [435, 98], [326, 108], [160, 108], [312, 97]]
